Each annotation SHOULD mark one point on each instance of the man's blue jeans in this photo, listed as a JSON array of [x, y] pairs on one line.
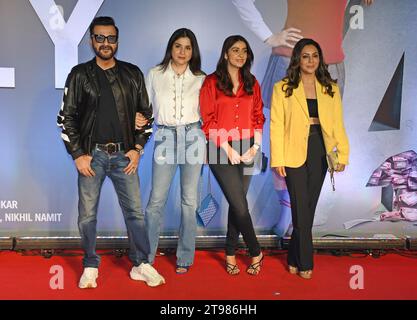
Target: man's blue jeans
[[182, 147], [128, 193]]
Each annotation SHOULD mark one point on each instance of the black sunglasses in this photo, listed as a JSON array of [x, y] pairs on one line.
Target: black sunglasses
[[100, 38]]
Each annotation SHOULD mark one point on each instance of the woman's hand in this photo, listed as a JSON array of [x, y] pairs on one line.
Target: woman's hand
[[340, 167], [140, 121], [233, 155], [249, 155], [281, 171]]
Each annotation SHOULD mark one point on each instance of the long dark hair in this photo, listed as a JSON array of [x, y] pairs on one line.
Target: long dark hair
[[195, 62], [293, 77], [224, 81]]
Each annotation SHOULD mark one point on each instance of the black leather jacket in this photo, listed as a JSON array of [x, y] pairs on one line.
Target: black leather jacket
[[81, 97]]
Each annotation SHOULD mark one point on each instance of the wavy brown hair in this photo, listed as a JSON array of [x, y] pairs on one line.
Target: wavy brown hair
[[224, 81], [293, 76]]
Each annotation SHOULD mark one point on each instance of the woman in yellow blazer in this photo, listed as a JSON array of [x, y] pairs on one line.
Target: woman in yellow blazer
[[306, 124]]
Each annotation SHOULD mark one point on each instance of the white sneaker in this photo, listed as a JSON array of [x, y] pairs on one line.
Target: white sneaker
[[88, 278], [145, 272]]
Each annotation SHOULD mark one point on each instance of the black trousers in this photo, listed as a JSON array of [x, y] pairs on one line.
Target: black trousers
[[235, 184], [304, 186]]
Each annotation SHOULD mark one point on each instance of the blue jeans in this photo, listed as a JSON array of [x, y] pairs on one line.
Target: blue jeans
[[183, 147], [127, 189]]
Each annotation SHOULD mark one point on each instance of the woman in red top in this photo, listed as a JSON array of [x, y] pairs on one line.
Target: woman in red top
[[231, 109]]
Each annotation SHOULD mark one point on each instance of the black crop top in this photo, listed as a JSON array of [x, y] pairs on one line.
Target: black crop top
[[313, 108]]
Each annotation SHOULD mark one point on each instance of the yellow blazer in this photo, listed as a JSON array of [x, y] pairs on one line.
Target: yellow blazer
[[290, 125]]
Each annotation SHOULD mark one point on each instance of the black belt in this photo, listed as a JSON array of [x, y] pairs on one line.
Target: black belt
[[110, 147]]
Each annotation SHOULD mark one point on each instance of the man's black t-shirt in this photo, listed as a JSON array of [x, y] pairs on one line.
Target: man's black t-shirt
[[107, 127]]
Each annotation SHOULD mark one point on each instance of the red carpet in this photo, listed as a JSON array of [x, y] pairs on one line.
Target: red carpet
[[389, 277]]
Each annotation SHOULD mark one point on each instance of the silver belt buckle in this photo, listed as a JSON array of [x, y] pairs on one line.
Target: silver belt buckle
[[111, 148]]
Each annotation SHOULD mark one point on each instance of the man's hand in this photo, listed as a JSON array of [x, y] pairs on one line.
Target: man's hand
[[134, 162], [284, 38], [368, 2], [83, 165], [140, 121]]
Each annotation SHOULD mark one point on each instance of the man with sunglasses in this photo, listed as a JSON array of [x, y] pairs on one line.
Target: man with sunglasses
[[97, 119]]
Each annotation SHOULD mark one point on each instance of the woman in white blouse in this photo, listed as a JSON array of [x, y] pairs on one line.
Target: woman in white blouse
[[174, 87]]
